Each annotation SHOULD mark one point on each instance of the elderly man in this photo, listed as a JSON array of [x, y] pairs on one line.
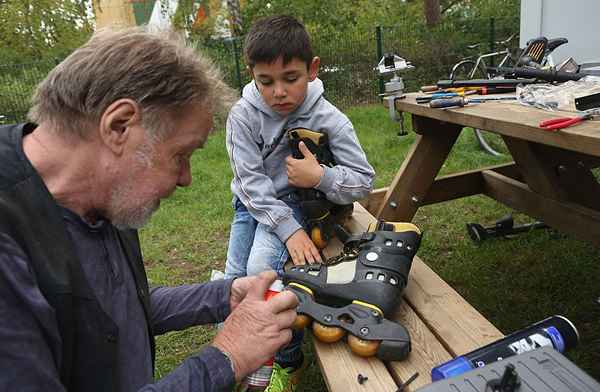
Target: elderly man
[[117, 123]]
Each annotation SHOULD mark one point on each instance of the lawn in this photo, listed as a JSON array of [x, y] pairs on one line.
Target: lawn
[[513, 282]]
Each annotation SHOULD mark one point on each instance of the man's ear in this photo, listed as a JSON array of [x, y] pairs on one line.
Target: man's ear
[[313, 68], [117, 122]]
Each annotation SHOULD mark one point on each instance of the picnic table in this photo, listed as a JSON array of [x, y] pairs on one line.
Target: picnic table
[[550, 179]]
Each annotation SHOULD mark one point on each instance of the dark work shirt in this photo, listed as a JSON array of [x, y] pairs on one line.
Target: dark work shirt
[[29, 334]]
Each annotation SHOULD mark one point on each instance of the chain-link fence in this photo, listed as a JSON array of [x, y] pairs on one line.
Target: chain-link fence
[[348, 60]]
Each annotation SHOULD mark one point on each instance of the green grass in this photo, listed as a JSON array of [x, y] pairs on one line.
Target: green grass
[[513, 282]]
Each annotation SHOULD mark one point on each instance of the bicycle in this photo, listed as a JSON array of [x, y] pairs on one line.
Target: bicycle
[[537, 54], [472, 67]]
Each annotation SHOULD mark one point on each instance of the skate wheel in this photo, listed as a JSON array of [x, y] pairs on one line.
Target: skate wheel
[[327, 334], [302, 321], [363, 348], [317, 238]]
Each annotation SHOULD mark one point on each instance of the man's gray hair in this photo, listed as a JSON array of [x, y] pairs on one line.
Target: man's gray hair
[[155, 69]]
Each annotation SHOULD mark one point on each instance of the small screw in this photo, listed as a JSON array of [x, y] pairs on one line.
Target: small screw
[[327, 318], [414, 199], [364, 331], [393, 204], [361, 379]]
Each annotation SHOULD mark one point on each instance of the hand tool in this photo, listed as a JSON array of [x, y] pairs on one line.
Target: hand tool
[[442, 95], [462, 101], [484, 82], [481, 90], [555, 124]]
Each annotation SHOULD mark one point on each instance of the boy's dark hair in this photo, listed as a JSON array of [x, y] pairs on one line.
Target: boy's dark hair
[[277, 36]]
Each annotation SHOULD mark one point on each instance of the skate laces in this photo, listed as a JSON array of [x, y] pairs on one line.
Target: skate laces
[[283, 380]]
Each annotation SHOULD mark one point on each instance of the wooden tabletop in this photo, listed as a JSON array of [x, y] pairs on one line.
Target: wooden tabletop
[[512, 119]]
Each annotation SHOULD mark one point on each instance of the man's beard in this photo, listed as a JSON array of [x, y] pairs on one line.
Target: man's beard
[[124, 217], [130, 218]]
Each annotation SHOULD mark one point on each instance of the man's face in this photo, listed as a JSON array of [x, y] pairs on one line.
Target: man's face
[[153, 171], [283, 87]]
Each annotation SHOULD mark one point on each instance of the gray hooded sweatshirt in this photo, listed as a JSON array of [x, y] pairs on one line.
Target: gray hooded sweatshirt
[[257, 145]]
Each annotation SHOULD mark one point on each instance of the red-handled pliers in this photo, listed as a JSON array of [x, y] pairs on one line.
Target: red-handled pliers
[[555, 124]]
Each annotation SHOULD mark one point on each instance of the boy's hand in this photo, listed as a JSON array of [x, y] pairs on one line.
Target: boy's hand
[[304, 173], [302, 249]]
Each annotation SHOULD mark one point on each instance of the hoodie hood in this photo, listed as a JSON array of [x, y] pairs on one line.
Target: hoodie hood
[[313, 93]]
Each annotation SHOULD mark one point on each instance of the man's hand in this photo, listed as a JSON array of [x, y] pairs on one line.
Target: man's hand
[[304, 173], [239, 289], [302, 249], [257, 329]]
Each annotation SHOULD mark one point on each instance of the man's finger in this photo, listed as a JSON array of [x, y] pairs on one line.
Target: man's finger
[[310, 259], [286, 318], [286, 300], [263, 281]]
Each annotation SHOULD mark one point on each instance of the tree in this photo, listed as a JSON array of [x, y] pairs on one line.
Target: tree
[[433, 15], [42, 29]]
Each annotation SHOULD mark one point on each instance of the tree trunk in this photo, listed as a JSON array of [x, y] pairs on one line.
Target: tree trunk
[[432, 12]]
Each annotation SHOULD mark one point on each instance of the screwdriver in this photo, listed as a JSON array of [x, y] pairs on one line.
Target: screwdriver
[[461, 101]]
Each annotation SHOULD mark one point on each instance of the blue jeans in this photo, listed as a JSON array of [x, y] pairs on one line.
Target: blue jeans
[[252, 249]]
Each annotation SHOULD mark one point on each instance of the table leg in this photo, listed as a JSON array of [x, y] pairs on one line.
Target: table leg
[[434, 142]]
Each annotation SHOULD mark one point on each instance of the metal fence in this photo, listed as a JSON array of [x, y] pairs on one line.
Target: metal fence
[[348, 60]]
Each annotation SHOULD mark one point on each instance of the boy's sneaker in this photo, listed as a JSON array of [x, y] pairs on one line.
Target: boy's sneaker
[[285, 380]]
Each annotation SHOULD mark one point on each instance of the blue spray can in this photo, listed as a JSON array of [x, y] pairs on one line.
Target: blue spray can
[[555, 331]]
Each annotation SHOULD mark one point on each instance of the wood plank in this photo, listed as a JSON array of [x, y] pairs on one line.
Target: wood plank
[[538, 171], [513, 120], [340, 369], [418, 171], [566, 217], [574, 174], [446, 188]]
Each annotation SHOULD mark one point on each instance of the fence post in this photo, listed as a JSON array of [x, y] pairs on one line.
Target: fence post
[[238, 72], [492, 39], [378, 37]]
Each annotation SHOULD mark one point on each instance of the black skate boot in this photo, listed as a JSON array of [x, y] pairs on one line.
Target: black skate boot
[[355, 295], [322, 215]]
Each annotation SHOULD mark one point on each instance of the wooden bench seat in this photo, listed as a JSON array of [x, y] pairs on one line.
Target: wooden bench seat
[[441, 323]]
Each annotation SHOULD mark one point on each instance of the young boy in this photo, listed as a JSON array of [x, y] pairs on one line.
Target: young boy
[[268, 225]]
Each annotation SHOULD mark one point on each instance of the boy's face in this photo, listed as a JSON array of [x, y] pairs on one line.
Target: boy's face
[[283, 87]]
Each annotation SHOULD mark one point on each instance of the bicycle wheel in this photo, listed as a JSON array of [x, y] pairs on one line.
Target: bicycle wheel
[[462, 70]]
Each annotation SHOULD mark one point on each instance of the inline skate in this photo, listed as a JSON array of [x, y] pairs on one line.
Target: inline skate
[[355, 295], [322, 215]]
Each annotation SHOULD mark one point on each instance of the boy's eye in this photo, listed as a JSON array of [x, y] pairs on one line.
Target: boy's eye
[[265, 82], [291, 78]]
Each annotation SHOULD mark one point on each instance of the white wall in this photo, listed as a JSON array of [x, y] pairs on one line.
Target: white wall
[[577, 20]]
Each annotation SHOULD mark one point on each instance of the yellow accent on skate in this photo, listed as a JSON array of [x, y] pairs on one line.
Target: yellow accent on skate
[[399, 227], [368, 306], [302, 287], [308, 134]]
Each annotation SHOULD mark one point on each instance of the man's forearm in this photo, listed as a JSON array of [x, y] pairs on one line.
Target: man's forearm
[[176, 308], [208, 371]]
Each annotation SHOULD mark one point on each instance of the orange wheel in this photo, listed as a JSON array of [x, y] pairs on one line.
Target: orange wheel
[[363, 348], [302, 321], [316, 237], [327, 334]]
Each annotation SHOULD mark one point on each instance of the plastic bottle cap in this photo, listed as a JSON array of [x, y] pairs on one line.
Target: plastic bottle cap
[[276, 286]]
